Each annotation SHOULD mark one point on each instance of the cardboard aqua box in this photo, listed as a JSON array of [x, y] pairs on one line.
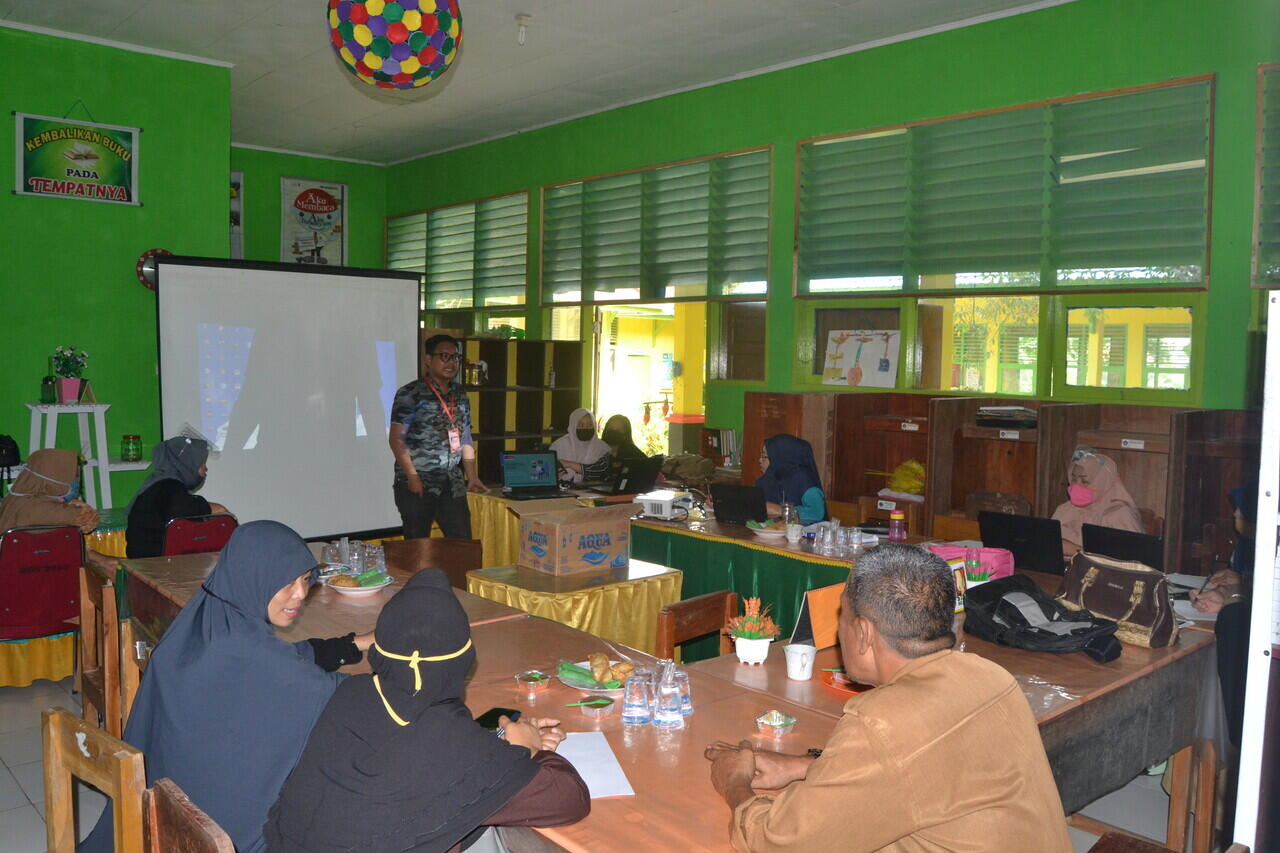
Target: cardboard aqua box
[[564, 541]]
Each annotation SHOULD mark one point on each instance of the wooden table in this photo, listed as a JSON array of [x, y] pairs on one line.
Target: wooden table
[[619, 604]]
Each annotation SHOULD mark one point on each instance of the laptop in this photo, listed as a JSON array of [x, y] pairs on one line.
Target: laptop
[[530, 476], [1124, 545], [738, 504], [631, 479], [1036, 543]]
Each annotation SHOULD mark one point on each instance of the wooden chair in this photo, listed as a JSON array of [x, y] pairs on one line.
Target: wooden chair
[[1152, 524], [73, 748], [99, 649], [1119, 842], [174, 824], [136, 644], [199, 534], [38, 580], [454, 557], [954, 529], [692, 618]]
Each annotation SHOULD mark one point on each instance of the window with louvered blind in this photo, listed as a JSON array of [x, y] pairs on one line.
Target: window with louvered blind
[[1267, 258], [968, 356], [1018, 346], [1110, 190], [1115, 340], [689, 230], [471, 255], [1077, 354], [1166, 355]]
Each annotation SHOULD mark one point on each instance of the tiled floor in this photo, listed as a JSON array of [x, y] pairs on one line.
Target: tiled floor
[[22, 827], [1140, 807]]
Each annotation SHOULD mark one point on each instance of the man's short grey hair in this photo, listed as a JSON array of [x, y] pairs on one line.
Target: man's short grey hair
[[909, 594]]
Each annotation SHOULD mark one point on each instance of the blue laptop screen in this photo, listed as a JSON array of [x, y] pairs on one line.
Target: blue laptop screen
[[528, 469]]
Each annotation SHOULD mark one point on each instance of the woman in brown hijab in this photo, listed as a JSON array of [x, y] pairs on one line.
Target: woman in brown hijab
[[1095, 496], [47, 492]]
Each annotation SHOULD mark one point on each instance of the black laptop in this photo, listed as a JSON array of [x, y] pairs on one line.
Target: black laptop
[[530, 476], [632, 478], [738, 504], [1124, 545], [1036, 543]]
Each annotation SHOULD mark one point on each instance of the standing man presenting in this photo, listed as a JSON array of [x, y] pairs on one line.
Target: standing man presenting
[[431, 440]]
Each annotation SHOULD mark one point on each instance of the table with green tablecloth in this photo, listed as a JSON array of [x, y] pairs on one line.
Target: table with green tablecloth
[[715, 557]]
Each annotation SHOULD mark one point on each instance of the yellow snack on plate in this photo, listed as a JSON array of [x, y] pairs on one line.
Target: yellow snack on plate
[[599, 663]]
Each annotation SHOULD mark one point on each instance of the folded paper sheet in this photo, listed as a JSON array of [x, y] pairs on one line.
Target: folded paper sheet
[[591, 754]]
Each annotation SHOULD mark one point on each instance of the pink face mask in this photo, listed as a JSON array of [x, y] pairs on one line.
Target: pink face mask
[[1079, 495]]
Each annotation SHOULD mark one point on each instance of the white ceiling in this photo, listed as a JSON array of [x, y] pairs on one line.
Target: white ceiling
[[289, 91]]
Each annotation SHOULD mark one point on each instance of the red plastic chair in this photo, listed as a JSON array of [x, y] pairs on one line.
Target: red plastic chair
[[197, 535], [39, 580]]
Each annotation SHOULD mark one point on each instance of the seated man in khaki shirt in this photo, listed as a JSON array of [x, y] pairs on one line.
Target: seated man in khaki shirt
[[944, 755]]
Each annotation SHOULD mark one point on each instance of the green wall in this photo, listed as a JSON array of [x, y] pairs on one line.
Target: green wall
[[69, 265], [1080, 47], [366, 201]]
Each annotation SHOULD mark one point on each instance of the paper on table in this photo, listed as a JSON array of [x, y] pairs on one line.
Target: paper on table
[[1189, 581], [1186, 610], [591, 755]]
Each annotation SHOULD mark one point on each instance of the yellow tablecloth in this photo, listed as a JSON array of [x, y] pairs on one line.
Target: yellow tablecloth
[[623, 611], [23, 661]]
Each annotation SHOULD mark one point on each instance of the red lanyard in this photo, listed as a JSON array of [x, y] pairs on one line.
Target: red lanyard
[[447, 411]]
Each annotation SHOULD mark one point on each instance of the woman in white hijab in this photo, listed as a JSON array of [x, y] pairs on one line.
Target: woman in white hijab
[[580, 451]]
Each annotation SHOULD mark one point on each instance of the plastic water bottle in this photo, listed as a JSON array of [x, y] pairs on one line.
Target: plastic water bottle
[[897, 526]]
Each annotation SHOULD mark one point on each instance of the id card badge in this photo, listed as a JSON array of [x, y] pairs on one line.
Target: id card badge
[[455, 440]]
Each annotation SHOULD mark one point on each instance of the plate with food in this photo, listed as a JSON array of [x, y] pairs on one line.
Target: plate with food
[[348, 585], [772, 529], [596, 674]]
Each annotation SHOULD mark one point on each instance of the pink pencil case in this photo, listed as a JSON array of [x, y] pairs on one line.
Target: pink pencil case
[[997, 562]]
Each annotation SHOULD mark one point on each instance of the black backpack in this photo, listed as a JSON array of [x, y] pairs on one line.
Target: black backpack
[[1014, 611]]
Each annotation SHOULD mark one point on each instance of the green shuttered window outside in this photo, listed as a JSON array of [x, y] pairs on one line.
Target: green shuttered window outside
[[1268, 248], [1108, 191], [698, 229], [471, 255]]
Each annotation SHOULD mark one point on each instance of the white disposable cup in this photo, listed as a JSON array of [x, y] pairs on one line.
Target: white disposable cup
[[794, 532], [800, 661]]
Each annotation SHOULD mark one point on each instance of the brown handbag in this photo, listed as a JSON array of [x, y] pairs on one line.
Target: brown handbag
[[1133, 594]]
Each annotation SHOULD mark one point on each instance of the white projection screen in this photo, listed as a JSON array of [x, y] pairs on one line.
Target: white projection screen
[[290, 372]]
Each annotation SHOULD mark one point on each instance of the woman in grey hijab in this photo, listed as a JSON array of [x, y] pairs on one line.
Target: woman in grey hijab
[[178, 466]]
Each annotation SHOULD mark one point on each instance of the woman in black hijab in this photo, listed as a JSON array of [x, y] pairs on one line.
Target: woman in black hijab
[[396, 763], [225, 706], [617, 434], [178, 468]]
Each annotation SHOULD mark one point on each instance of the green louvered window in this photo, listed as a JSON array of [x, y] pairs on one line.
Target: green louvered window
[[1114, 351], [471, 255], [1103, 191], [689, 230], [1167, 355], [1268, 249], [1077, 353], [968, 356], [1018, 347]]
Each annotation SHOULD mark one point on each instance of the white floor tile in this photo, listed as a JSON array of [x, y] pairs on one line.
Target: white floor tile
[[89, 805], [11, 795], [1141, 807], [21, 747], [22, 831], [31, 778], [20, 707]]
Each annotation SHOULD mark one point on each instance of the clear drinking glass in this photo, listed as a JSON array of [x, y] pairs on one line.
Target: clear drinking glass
[[356, 557], [637, 700], [329, 554], [668, 712], [686, 697]]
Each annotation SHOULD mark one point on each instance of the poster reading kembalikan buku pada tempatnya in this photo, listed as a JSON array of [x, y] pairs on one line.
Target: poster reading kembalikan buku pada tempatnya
[[76, 159]]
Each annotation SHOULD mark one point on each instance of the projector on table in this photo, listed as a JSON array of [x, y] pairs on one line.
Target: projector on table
[[667, 504]]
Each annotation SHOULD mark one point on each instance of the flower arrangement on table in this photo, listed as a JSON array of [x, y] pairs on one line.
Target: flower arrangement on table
[[752, 632], [69, 362]]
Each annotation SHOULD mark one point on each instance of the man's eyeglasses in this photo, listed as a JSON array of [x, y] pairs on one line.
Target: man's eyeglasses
[[447, 356]]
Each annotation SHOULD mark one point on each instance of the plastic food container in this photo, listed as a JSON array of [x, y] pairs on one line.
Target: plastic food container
[[596, 712], [775, 723], [532, 681]]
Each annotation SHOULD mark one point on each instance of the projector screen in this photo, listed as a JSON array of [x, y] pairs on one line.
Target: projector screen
[[289, 371]]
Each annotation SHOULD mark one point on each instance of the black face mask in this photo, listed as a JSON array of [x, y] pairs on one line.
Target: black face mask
[[585, 434]]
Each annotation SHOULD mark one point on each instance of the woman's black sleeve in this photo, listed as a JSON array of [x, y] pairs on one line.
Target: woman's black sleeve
[[335, 652]]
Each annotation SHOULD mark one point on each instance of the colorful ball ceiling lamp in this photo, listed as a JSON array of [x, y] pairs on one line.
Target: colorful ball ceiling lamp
[[395, 44]]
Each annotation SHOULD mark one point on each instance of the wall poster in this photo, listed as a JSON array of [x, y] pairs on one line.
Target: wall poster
[[313, 220], [863, 358], [76, 159]]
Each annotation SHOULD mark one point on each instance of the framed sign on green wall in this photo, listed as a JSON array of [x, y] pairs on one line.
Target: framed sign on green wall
[[76, 159]]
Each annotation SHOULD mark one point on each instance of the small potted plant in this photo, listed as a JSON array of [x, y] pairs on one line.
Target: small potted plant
[[752, 632], [68, 365]]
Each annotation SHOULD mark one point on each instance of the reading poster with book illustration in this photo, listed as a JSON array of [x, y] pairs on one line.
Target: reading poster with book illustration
[[863, 358]]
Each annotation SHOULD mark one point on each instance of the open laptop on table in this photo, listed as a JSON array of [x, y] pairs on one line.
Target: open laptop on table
[[1124, 545], [738, 504], [631, 479], [530, 476], [1036, 543]]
